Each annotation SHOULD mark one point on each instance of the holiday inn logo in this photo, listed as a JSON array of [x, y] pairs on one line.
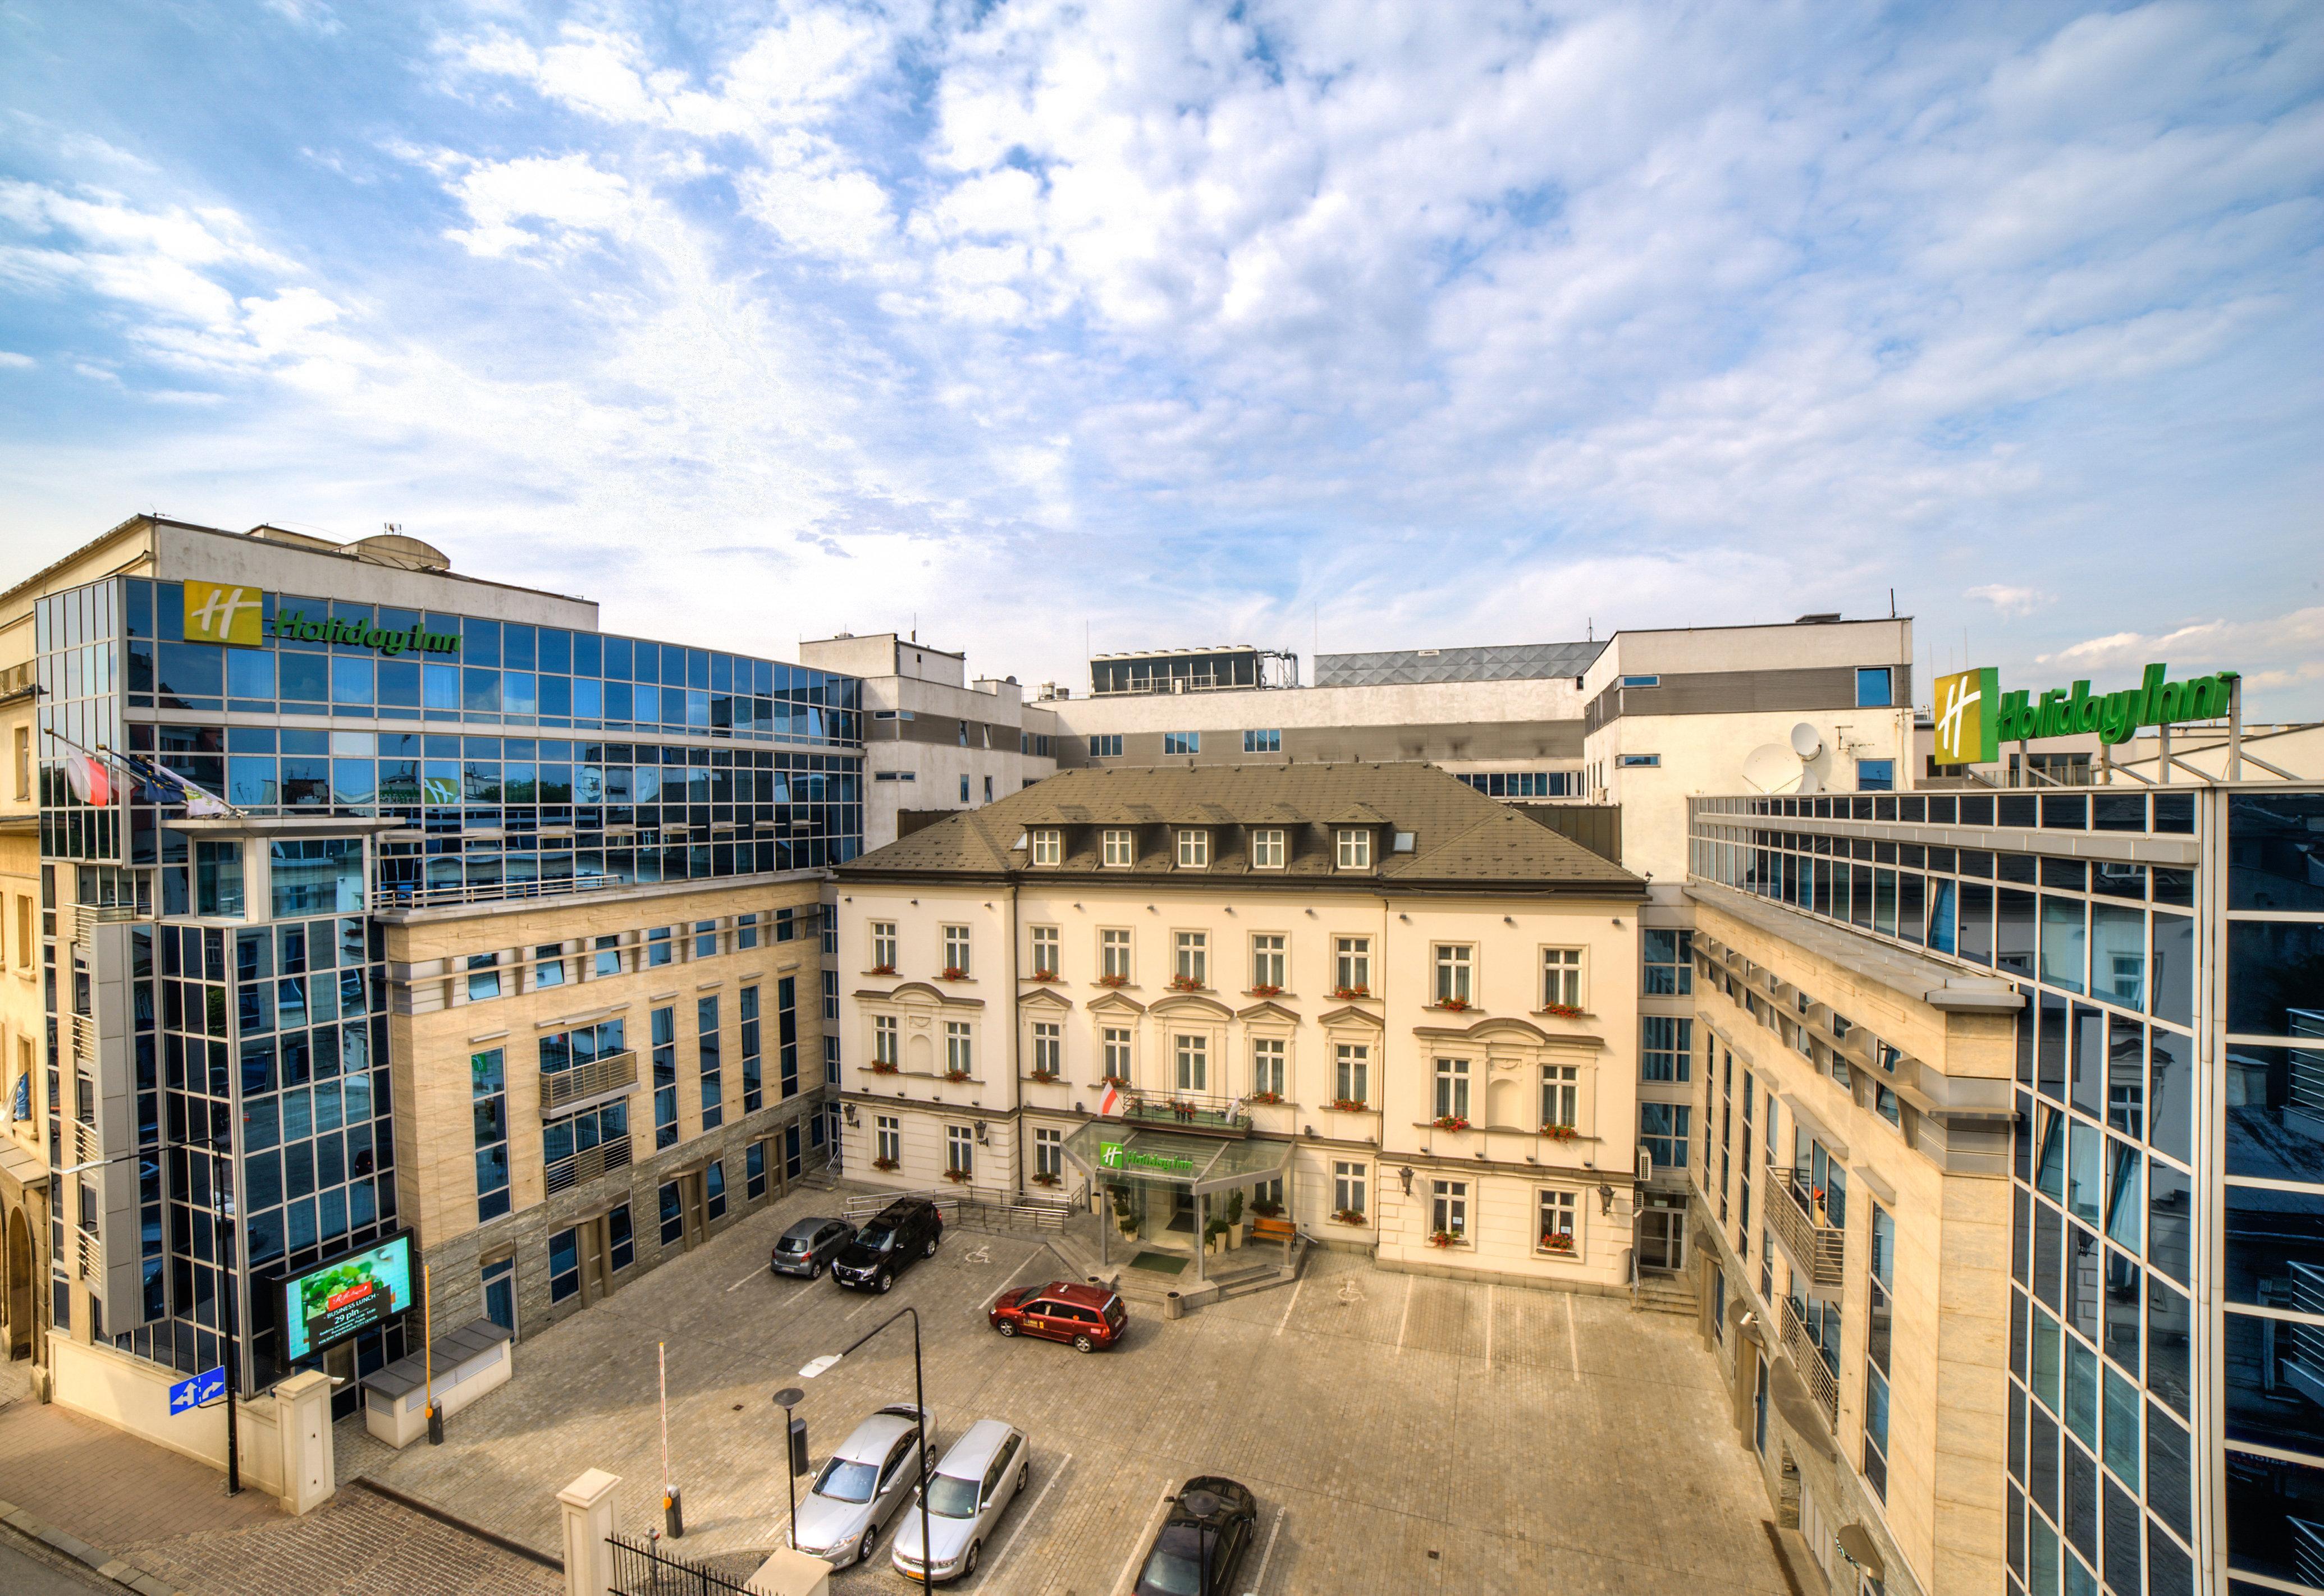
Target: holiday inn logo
[[217, 612], [1974, 717], [220, 612], [1965, 718]]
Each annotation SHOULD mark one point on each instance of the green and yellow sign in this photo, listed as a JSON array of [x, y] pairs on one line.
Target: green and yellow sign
[[221, 612], [1974, 717], [1113, 1155]]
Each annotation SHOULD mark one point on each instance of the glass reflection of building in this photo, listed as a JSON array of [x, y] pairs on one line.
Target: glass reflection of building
[[216, 989], [2167, 1328]]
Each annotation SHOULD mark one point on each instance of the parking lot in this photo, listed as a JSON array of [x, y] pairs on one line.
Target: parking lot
[[1402, 1433]]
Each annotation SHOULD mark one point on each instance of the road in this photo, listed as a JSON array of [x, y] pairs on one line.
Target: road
[[24, 1573]]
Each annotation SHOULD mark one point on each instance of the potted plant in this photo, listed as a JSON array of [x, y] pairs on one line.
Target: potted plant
[[880, 1067], [1044, 1177], [1557, 1241], [952, 972], [1453, 1004], [1350, 1104], [1185, 984], [1043, 975], [1263, 990], [957, 1176], [1443, 1238], [883, 1163], [1046, 1077], [883, 969], [1128, 1223], [1560, 1132], [956, 1074], [1348, 1216], [1264, 1097], [1114, 1080], [1214, 1236], [1450, 1121], [1562, 1011], [1113, 980], [1267, 1210], [1346, 992], [1234, 1219]]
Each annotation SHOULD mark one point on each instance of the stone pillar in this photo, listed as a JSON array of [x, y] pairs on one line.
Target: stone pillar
[[586, 1506], [302, 1427]]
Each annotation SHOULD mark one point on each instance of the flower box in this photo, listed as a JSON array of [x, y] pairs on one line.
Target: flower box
[[884, 1070], [952, 972], [1560, 1132], [1113, 980], [883, 969], [883, 1163], [1264, 1097], [1263, 990], [957, 1176], [1045, 1178], [1345, 992], [956, 1075], [1348, 1216], [1562, 1011], [1450, 1121], [1557, 1242], [1047, 1077], [1043, 975], [1453, 1005], [1185, 984], [1444, 1238], [1350, 1104], [1114, 1080]]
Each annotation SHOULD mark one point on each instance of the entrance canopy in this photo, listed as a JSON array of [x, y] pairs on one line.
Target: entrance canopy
[[1109, 1149]]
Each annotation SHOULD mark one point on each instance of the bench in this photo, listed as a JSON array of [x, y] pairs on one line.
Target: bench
[[1272, 1229]]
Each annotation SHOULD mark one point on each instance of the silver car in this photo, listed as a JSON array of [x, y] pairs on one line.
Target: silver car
[[971, 1487], [866, 1479]]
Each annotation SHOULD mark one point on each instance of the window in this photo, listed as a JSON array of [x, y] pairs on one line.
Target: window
[[1879, 1285], [1115, 1040], [1193, 958], [673, 1212], [830, 1060], [564, 1265], [1348, 1181], [1448, 1208], [964, 741], [963, 789], [1557, 1209], [665, 1078], [1108, 747], [1661, 1132], [1113, 955], [1642, 681], [1120, 844], [658, 946], [1666, 1049], [1045, 951], [1669, 962], [1049, 846], [705, 938], [1455, 963], [887, 1140], [1193, 850], [988, 789], [23, 765], [1267, 974], [1194, 1057], [754, 1171], [1262, 742], [488, 1093], [549, 965], [883, 947], [1452, 1089], [955, 950], [960, 1149], [960, 1053], [709, 1063], [713, 1190], [1561, 1092], [746, 932], [1351, 966], [1873, 690], [1876, 776], [1182, 742], [1640, 761], [1267, 1060], [1049, 1048], [1049, 1153], [1267, 848], [1561, 977], [1351, 1078], [884, 1040], [608, 962], [1355, 847], [746, 1013], [483, 976]]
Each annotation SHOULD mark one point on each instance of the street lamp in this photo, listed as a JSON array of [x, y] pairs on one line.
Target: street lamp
[[830, 1360], [794, 1451]]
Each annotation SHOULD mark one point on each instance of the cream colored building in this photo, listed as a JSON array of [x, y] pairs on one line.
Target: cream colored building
[[1852, 1201], [1376, 1005], [23, 1165]]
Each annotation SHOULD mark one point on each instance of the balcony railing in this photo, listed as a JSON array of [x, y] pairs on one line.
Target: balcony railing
[[422, 895], [588, 1164], [1187, 1111], [1817, 1245], [1823, 1383], [605, 1077]]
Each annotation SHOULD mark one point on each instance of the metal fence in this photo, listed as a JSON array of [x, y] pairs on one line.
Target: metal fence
[[643, 1568]]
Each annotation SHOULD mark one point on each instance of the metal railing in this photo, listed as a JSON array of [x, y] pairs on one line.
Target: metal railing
[[421, 895], [966, 1205], [1185, 1110], [643, 1568], [1823, 1384], [588, 1164], [596, 1078], [1816, 1244]]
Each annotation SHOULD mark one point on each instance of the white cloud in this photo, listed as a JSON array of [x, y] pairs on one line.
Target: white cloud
[[12, 361], [571, 194], [2283, 651], [2007, 599]]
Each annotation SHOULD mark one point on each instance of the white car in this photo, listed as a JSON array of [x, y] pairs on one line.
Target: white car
[[971, 1489], [867, 1477]]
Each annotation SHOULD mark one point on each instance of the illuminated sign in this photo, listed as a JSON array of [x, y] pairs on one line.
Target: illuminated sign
[[323, 629], [1975, 717], [220, 612], [1113, 1155], [345, 1296], [217, 612]]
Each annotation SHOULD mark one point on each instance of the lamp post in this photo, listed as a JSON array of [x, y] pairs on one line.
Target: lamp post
[[1202, 1544], [789, 1397], [830, 1360]]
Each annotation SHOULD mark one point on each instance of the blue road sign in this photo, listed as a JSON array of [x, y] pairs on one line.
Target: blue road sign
[[207, 1386]]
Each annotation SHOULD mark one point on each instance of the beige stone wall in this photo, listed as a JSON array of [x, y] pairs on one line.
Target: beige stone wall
[[437, 1027]]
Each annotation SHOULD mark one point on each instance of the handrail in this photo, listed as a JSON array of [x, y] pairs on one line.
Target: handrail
[[587, 1165], [418, 896], [593, 1078], [1823, 1383], [1817, 1245]]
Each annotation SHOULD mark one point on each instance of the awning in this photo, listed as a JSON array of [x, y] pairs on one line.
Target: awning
[[1856, 1541], [1106, 1147], [1800, 1410]]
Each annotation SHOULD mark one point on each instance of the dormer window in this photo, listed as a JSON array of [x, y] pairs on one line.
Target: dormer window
[[1355, 847], [1193, 850], [1049, 846], [1120, 846], [1266, 851]]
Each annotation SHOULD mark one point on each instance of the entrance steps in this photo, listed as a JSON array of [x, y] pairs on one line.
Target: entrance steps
[[1661, 1293], [1234, 1273]]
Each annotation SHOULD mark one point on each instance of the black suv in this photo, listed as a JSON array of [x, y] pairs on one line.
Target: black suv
[[1201, 1544], [896, 1238]]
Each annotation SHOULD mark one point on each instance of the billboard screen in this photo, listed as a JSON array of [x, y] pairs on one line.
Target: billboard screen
[[346, 1295]]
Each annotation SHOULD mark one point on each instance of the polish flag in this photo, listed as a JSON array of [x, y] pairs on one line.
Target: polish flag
[[90, 780], [1111, 1104]]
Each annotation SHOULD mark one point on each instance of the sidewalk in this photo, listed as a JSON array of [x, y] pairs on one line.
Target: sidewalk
[[170, 1516]]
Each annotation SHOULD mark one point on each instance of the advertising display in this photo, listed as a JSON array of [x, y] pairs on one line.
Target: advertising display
[[345, 1296]]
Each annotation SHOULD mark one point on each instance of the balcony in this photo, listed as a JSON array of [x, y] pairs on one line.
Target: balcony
[[588, 1164], [1188, 1111], [590, 1081], [1818, 1246], [1822, 1383]]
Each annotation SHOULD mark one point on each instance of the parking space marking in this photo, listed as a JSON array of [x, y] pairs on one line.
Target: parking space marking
[[1258, 1580], [1145, 1538], [1572, 1336], [1287, 1306], [1026, 1516], [985, 1306], [746, 1280], [1406, 1319]]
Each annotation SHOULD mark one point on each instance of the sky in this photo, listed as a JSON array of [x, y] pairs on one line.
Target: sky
[[1050, 328]]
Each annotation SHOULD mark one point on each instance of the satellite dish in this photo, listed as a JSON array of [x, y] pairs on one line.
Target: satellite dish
[[1810, 782], [1771, 767], [1807, 742]]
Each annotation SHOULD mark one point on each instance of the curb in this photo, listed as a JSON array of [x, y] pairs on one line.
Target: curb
[[119, 1570], [515, 1548]]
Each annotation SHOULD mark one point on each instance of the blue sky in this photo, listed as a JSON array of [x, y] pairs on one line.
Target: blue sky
[[1160, 323]]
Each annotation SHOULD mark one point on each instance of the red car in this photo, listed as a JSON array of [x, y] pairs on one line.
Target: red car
[[1089, 1317]]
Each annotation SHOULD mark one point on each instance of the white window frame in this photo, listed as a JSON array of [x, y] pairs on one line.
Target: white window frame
[[1448, 1208], [1048, 950], [1268, 851], [883, 944], [1189, 1052], [1452, 1089], [1190, 957], [1115, 1050], [1352, 964], [1560, 977], [957, 944], [1121, 847], [1049, 1151], [1049, 1047], [888, 1138], [1456, 972], [1113, 952], [959, 1046], [1049, 846], [1270, 1065], [1350, 1186], [1560, 1095], [1352, 848], [960, 1149], [885, 1040], [1351, 1065], [1270, 966], [1193, 849], [1557, 1213]]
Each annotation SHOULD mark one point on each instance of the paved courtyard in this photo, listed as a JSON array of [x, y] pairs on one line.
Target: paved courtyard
[[1403, 1434]]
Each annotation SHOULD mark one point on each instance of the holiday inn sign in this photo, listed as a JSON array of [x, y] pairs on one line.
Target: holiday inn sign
[[222, 613], [1975, 717]]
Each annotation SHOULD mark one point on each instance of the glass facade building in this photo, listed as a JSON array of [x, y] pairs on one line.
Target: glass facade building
[[2166, 1410], [218, 1041]]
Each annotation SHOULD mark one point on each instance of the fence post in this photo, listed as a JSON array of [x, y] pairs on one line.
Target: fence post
[[586, 1506]]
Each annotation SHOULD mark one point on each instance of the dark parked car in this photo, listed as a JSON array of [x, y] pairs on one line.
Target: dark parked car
[[1088, 1316], [808, 1248], [897, 1237], [1202, 1541]]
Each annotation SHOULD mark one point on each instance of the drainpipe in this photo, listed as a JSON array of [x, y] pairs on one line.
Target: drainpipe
[[1016, 1079]]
